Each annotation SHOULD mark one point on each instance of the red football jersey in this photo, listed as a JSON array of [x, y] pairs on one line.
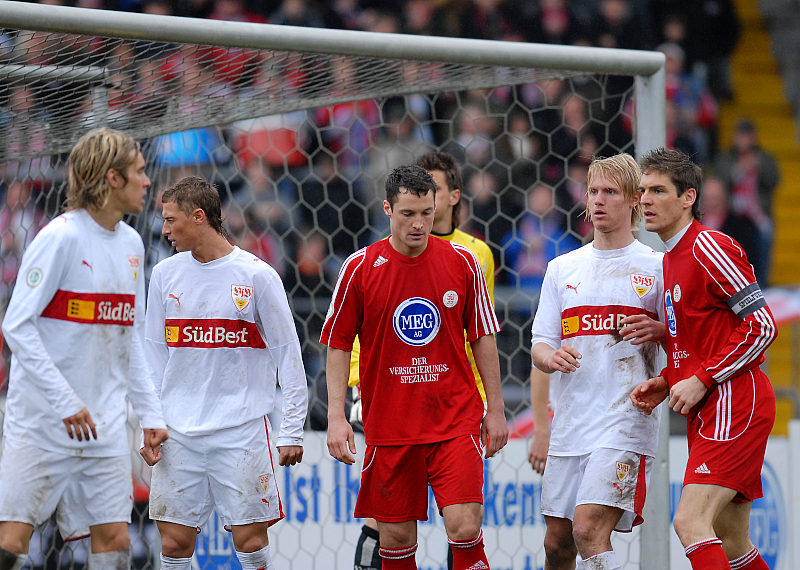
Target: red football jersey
[[718, 323], [410, 314]]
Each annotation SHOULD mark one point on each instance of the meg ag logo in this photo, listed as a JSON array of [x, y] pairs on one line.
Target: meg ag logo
[[416, 321]]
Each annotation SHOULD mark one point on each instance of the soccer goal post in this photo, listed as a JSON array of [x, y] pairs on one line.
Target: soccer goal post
[[297, 127]]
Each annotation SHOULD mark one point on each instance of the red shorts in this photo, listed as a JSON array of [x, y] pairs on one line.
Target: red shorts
[[728, 436], [395, 478]]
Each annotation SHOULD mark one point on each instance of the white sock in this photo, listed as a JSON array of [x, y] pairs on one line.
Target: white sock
[[114, 560], [11, 560], [604, 561], [169, 563], [258, 560]]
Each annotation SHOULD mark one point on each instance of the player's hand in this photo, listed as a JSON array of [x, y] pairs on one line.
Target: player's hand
[[641, 328], [80, 425], [494, 432], [540, 444], [290, 454], [151, 451], [686, 393], [341, 441], [649, 394], [564, 359]]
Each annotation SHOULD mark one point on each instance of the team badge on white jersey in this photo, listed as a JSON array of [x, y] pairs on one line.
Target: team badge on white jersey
[[135, 263], [241, 295], [642, 284], [622, 470], [416, 321]]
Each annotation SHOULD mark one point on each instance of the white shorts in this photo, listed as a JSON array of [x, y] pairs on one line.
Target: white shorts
[[83, 491], [231, 468], [603, 477]]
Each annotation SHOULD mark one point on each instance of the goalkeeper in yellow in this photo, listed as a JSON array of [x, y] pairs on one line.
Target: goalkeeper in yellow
[[446, 173]]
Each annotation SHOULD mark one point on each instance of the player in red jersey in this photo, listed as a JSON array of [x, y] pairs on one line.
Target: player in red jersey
[[718, 329], [413, 298]]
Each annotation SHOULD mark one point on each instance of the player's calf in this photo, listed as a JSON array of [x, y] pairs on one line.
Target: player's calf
[[113, 560], [170, 563], [603, 561], [469, 554], [258, 560], [402, 558]]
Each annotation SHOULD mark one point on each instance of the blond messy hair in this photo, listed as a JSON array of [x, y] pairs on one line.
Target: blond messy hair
[[91, 158], [623, 170]]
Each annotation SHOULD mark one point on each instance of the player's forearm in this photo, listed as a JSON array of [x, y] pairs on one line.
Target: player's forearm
[[26, 343], [294, 388], [337, 370], [484, 350], [541, 354]]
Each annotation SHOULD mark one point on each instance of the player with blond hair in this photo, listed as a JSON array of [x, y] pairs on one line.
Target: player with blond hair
[[74, 325], [600, 304]]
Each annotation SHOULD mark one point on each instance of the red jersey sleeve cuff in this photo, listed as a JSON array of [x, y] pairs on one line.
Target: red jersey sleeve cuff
[[704, 377]]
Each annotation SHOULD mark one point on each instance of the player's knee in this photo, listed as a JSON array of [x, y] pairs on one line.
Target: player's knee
[[15, 537], [110, 537], [585, 534], [559, 548], [177, 544], [464, 530], [683, 526], [250, 542]]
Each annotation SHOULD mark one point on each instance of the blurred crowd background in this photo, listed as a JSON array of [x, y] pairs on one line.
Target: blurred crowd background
[[303, 189]]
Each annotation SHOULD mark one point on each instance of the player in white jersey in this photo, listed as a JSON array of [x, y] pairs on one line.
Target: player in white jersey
[[219, 334], [600, 304], [74, 325]]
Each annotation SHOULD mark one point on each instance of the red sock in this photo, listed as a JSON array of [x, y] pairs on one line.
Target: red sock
[[707, 555], [398, 558], [469, 554], [750, 561]]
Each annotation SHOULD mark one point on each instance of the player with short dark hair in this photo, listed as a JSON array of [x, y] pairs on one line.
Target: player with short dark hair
[[446, 174], [431, 291], [719, 327], [74, 326], [219, 334], [600, 305]]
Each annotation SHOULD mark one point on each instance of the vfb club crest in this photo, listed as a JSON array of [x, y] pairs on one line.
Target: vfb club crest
[[241, 295], [642, 284], [416, 321]]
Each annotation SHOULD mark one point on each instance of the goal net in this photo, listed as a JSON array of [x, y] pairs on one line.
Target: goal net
[[297, 128]]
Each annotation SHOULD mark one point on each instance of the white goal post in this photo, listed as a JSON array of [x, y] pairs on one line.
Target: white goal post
[[398, 66]]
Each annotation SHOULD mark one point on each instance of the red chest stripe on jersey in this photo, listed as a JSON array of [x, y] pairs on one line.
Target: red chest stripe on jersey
[[588, 320], [212, 333], [92, 308]]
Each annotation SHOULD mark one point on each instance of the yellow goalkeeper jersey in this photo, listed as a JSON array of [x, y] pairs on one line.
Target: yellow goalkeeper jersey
[[486, 259]]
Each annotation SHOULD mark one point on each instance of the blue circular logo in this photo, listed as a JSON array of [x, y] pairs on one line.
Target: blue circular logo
[[768, 518], [672, 324], [416, 321]]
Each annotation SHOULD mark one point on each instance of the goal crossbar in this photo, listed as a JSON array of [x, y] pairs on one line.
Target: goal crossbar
[[107, 23]]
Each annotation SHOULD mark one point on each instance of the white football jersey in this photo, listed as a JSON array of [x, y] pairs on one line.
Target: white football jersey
[[219, 336], [584, 295], [75, 326]]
